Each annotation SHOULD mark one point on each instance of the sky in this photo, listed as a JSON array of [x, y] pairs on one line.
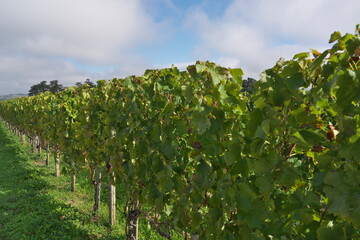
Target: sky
[[74, 40]]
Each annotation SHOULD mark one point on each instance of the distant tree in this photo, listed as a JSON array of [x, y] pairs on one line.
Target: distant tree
[[38, 88], [55, 87], [248, 85], [87, 81], [90, 83], [78, 84]]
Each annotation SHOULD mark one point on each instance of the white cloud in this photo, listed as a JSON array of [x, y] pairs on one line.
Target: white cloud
[[259, 32], [71, 40], [46, 40], [308, 21], [87, 30], [19, 73]]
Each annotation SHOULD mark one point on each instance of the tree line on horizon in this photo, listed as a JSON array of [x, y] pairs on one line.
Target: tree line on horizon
[[54, 86]]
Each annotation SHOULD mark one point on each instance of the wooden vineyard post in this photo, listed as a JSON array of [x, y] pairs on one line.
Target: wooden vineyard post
[[112, 200], [73, 177], [32, 144], [38, 146], [57, 163], [97, 189], [47, 160], [132, 222], [23, 138]]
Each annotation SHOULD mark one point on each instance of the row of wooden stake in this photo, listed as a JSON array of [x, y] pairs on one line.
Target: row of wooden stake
[[133, 210]]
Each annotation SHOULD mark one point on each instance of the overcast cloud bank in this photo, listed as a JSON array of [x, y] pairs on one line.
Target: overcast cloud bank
[[71, 40]]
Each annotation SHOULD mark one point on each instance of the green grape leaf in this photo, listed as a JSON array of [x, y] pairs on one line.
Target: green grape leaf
[[310, 137], [256, 119], [237, 74], [265, 185], [216, 77], [301, 55], [334, 36], [245, 197], [317, 63], [330, 233], [201, 121]]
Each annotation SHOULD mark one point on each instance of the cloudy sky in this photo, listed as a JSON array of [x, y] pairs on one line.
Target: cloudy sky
[[72, 40]]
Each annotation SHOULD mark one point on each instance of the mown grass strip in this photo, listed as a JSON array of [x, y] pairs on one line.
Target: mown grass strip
[[35, 205]]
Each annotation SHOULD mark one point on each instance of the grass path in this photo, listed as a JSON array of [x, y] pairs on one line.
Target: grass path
[[36, 205]]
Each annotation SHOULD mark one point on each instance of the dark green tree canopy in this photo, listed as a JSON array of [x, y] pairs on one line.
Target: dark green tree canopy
[[38, 88], [88, 82], [53, 87], [248, 85]]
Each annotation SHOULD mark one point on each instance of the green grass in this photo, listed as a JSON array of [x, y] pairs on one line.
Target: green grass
[[36, 205]]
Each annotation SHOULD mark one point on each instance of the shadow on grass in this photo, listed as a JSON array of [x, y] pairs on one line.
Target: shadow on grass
[[26, 211]]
